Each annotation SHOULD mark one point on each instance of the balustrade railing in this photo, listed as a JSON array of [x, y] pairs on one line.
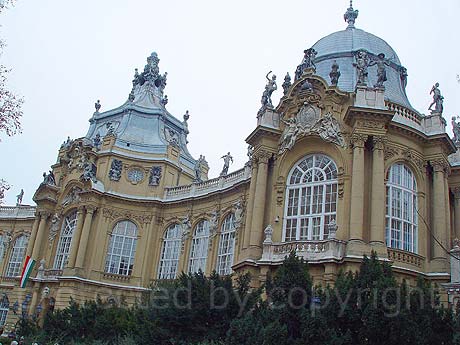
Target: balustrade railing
[[331, 249], [17, 212], [205, 187]]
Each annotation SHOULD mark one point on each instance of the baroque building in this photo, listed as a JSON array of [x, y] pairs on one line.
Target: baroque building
[[342, 166]]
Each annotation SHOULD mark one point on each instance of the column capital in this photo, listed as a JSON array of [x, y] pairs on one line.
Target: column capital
[[379, 142], [439, 165], [90, 209], [357, 140], [262, 156]]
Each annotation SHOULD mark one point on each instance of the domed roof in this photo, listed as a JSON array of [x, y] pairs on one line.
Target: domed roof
[[342, 46]]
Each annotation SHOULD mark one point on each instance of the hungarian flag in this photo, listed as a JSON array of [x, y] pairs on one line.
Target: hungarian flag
[[27, 270]]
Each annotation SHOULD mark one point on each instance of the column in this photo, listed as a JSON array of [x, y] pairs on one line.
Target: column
[[377, 234], [256, 231], [252, 187], [39, 236], [76, 239], [84, 237], [456, 192], [439, 210], [357, 187], [33, 235]]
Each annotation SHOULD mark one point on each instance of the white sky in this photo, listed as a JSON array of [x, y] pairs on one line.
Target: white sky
[[66, 54]]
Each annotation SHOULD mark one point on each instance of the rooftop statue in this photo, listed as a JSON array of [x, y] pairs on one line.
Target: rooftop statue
[[351, 15], [97, 106], [148, 86], [335, 73], [199, 163], [269, 88], [307, 62], [227, 159], [49, 179], [456, 130], [438, 100], [381, 70], [361, 64], [286, 84], [19, 197]]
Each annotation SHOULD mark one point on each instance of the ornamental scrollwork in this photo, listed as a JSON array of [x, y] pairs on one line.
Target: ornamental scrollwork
[[308, 122], [112, 214]]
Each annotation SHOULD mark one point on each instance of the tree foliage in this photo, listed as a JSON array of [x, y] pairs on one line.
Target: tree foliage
[[365, 308]]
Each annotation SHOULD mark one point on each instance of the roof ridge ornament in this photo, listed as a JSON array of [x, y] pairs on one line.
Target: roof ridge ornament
[[351, 15]]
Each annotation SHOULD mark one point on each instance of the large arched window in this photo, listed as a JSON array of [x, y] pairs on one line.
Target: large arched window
[[311, 199], [226, 245], [65, 241], [199, 250], [170, 253], [122, 248], [17, 256], [401, 208]]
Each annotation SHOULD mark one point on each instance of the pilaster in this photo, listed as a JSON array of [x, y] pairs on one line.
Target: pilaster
[[83, 243]]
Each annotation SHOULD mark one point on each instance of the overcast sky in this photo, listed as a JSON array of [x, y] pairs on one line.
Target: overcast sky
[[66, 54]]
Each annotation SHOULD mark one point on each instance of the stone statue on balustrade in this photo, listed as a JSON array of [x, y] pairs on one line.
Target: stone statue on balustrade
[[19, 197], [438, 100], [227, 160], [199, 163], [269, 88]]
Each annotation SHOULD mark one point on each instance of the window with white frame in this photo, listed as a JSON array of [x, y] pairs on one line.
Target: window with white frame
[[199, 249], [311, 199], [122, 248], [4, 307], [226, 245], [65, 241], [401, 208], [170, 251], [17, 256]]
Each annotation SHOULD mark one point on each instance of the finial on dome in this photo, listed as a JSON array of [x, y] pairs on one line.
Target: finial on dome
[[351, 15]]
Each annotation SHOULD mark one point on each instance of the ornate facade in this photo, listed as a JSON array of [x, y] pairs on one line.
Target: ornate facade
[[343, 165]]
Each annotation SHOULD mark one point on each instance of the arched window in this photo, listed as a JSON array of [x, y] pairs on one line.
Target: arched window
[[199, 250], [311, 199], [17, 256], [226, 245], [65, 241], [401, 211], [122, 248], [4, 307], [170, 253]]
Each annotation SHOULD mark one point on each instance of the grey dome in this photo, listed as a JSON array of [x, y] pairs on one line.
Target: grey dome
[[340, 46]]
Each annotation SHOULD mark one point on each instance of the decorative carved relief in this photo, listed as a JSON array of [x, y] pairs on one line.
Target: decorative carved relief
[[307, 122], [73, 197], [415, 158], [239, 213], [390, 151], [155, 176], [370, 124], [340, 183], [115, 170], [456, 192], [112, 214], [279, 187], [186, 227], [54, 227]]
